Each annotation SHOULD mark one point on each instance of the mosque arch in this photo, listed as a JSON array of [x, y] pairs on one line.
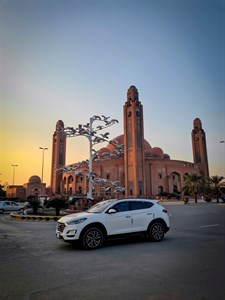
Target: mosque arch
[[175, 189], [185, 174], [175, 176], [175, 182], [70, 179], [160, 190], [70, 191]]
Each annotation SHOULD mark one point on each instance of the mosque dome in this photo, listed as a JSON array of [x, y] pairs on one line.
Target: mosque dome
[[166, 156], [120, 141], [147, 146], [157, 152], [148, 153], [103, 150], [35, 179]]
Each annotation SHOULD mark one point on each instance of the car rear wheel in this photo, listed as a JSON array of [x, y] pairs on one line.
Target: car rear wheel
[[156, 232], [1, 211], [92, 238]]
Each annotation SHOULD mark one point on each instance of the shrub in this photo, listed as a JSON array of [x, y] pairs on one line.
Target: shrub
[[57, 203], [34, 202]]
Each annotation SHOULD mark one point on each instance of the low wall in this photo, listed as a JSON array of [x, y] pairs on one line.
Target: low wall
[[20, 217]]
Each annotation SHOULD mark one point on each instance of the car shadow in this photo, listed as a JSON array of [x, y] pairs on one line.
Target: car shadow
[[75, 245]]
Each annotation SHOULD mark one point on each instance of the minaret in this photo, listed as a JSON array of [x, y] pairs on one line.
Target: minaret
[[134, 145], [58, 157], [199, 147]]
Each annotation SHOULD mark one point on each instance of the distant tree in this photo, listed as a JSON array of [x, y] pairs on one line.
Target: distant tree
[[34, 202], [2, 192], [215, 185], [205, 188], [192, 184], [57, 204], [222, 189]]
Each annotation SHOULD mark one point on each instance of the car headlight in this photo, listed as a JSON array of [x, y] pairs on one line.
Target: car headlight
[[77, 221]]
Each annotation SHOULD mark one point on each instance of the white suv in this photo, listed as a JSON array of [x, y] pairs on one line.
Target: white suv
[[113, 219]]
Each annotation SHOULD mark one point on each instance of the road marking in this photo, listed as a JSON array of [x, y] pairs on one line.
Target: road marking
[[212, 225]]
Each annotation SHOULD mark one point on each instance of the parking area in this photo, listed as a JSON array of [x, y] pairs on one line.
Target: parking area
[[187, 264]]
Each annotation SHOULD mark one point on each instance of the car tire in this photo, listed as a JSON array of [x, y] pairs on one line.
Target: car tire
[[1, 211], [156, 232], [92, 238]]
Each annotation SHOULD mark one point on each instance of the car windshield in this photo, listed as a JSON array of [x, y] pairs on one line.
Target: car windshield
[[100, 206]]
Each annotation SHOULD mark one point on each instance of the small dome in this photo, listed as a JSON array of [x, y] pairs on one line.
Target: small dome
[[157, 152], [35, 179]]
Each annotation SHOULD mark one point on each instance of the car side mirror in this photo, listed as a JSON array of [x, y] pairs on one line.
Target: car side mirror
[[112, 211]]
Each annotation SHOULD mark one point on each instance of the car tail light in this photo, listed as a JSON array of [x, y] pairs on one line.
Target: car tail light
[[165, 211]]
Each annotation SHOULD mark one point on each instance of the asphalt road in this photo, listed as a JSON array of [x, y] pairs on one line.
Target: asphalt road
[[188, 264]]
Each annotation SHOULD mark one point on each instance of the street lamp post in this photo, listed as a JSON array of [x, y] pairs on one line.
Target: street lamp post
[[14, 166], [43, 151]]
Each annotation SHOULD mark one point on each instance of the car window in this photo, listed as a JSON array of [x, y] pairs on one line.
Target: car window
[[148, 204], [122, 206], [100, 206], [136, 205]]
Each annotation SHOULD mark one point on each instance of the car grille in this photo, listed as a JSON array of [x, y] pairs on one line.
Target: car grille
[[61, 226]]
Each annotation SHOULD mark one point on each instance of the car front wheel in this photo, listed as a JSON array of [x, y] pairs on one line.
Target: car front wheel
[[92, 238], [156, 232]]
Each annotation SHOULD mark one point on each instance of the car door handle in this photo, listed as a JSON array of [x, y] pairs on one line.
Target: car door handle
[[128, 217], [149, 213]]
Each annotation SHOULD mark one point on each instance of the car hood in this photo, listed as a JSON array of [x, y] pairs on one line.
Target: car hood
[[75, 216]]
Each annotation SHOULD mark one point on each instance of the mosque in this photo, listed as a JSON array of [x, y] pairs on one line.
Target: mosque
[[140, 170]]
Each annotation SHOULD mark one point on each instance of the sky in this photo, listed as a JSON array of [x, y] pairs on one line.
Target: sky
[[69, 60]]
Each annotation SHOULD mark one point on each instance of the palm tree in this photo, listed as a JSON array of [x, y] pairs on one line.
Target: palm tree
[[192, 184], [214, 182]]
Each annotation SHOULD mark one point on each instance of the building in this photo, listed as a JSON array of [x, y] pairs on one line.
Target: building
[[16, 191], [142, 170], [33, 187]]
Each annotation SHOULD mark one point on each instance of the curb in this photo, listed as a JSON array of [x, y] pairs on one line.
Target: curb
[[18, 217], [171, 203]]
